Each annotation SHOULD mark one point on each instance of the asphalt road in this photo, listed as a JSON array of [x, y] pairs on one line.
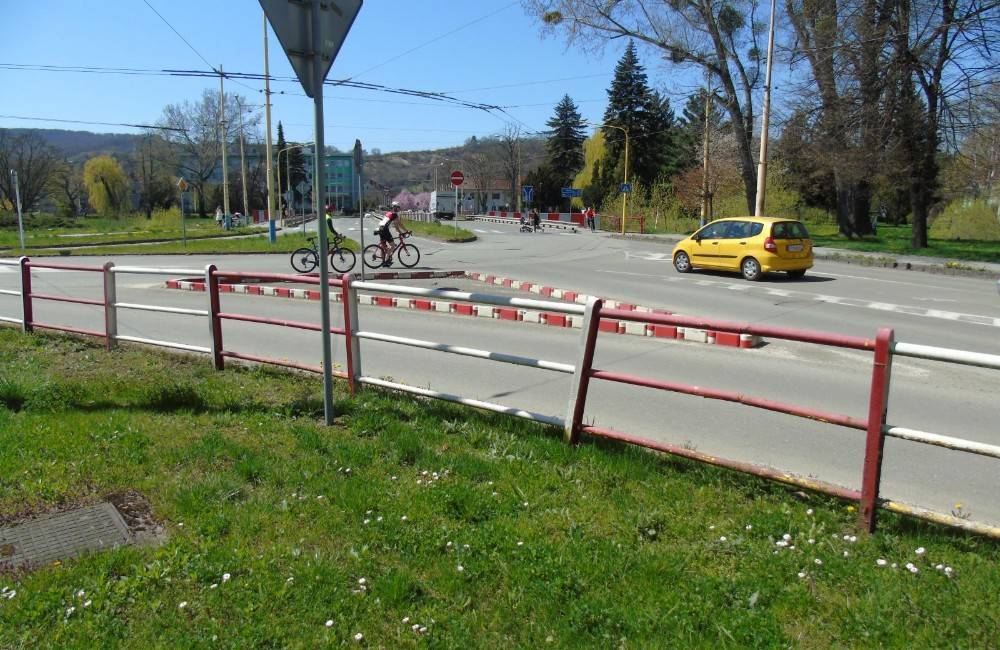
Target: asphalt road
[[937, 310]]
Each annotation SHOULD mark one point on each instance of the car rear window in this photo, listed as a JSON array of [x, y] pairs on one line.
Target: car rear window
[[789, 230]]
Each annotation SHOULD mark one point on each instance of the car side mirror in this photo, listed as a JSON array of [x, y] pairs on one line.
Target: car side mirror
[[697, 238]]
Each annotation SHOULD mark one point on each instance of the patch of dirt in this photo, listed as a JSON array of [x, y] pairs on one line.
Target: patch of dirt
[[142, 524]]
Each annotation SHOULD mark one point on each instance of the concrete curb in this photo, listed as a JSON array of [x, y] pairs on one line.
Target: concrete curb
[[550, 319]]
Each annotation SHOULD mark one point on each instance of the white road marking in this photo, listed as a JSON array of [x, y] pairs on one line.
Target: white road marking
[[922, 312]]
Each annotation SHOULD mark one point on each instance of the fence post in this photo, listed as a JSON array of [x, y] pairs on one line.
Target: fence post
[[349, 296], [214, 322], [27, 315], [581, 376], [110, 311], [877, 406]]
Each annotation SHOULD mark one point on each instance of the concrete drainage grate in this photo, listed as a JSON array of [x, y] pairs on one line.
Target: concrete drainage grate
[[62, 535]]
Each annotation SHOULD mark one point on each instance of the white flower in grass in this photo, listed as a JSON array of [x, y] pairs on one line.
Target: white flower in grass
[[392, 478], [881, 562], [525, 504], [70, 610], [368, 512], [422, 629], [818, 561], [948, 570], [792, 547], [809, 511], [404, 518], [214, 585], [366, 522], [80, 594], [802, 574], [938, 566], [449, 545], [359, 637], [415, 627], [183, 604], [846, 553], [847, 538], [920, 551], [781, 543], [329, 623], [812, 541], [749, 527], [460, 568], [722, 539], [362, 581], [711, 527], [290, 580], [786, 537], [87, 603], [894, 565], [465, 546], [406, 619], [853, 538], [520, 543], [379, 518], [320, 497]]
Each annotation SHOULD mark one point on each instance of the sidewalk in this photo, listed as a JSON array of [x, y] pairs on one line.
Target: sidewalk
[[886, 260]]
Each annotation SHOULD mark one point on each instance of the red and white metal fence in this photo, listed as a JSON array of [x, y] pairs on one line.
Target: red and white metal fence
[[883, 348]]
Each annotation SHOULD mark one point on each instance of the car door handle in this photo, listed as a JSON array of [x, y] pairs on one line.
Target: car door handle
[[743, 243], [715, 243]]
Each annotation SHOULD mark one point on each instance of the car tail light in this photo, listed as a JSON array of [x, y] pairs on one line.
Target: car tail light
[[769, 245]]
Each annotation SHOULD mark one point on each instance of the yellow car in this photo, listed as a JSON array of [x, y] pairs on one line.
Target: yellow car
[[752, 246]]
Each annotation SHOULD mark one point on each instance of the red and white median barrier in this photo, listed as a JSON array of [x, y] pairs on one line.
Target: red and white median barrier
[[688, 334]]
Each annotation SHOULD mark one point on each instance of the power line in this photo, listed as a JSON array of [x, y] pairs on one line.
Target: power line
[[434, 40], [167, 23], [54, 119]]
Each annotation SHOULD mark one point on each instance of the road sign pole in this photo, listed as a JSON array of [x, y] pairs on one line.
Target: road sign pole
[[359, 167], [318, 72]]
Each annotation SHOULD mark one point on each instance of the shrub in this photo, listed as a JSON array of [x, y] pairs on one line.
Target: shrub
[[967, 219]]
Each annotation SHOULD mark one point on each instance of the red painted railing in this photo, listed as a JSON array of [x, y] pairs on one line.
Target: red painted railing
[[874, 425], [28, 297]]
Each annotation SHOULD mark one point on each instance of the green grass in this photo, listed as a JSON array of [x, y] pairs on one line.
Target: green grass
[[599, 546], [440, 231], [260, 244], [44, 230], [895, 240]]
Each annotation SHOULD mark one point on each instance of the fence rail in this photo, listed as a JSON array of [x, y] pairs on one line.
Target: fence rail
[[883, 348]]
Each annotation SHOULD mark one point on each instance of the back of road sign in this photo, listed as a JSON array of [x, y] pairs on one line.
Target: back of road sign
[[292, 24]]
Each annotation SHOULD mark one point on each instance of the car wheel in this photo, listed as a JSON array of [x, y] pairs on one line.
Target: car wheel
[[751, 269], [682, 262], [795, 275]]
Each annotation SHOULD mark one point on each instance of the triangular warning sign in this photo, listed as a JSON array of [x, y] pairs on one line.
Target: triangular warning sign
[[292, 22]]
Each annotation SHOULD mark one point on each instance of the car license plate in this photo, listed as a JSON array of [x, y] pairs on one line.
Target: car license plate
[[795, 247]]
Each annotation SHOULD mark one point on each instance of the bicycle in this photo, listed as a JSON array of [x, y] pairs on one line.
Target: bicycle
[[306, 259], [407, 254]]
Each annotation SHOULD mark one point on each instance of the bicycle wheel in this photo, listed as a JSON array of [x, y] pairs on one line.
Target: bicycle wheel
[[304, 260], [408, 255], [342, 259], [373, 256]]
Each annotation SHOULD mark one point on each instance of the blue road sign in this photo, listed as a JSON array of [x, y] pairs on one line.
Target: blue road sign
[[626, 188], [528, 191], [570, 192]]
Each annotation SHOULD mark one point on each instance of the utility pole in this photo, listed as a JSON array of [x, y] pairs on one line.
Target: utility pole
[[225, 163], [271, 230], [705, 205], [17, 194], [764, 121], [243, 163]]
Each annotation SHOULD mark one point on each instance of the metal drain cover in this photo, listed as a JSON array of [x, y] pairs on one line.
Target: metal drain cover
[[62, 535]]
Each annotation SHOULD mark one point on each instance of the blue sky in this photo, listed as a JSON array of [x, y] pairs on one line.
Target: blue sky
[[496, 56]]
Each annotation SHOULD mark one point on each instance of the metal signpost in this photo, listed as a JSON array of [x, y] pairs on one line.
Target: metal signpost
[[303, 187], [361, 201], [457, 178], [311, 33], [182, 186], [17, 194]]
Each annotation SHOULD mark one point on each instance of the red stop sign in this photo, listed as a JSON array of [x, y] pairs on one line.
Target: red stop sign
[[457, 178]]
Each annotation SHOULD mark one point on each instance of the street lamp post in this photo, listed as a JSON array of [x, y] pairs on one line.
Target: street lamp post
[[624, 194], [17, 195]]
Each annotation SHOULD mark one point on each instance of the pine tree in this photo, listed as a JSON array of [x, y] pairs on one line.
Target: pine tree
[[565, 143], [281, 145], [691, 129], [647, 117]]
